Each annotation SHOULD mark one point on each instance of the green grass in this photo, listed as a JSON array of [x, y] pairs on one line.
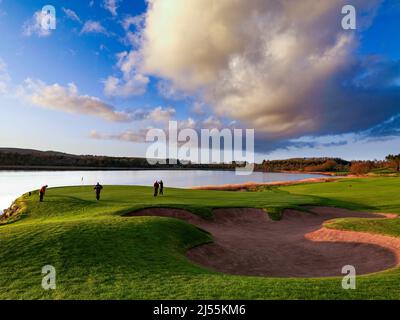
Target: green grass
[[370, 194], [100, 254], [386, 227]]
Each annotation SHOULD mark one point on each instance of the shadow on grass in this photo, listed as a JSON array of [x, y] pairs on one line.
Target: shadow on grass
[[73, 200], [327, 202], [203, 212]]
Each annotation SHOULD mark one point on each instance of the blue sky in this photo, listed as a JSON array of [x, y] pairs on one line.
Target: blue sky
[[113, 68]]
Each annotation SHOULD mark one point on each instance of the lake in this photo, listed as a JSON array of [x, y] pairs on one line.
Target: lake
[[15, 183]]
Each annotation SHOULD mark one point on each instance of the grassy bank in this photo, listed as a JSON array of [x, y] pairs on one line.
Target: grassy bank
[[370, 194], [100, 254]]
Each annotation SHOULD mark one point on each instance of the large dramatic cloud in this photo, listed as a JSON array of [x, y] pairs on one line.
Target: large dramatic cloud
[[285, 68], [68, 99]]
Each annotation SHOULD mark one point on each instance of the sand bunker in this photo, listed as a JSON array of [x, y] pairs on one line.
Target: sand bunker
[[247, 242]]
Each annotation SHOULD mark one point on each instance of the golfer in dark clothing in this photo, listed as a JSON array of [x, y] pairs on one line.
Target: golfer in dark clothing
[[161, 188], [98, 187], [156, 186], [42, 192]]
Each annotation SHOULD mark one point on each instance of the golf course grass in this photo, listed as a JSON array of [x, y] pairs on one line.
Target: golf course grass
[[100, 254]]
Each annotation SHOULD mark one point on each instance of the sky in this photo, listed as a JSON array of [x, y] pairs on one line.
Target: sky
[[112, 69]]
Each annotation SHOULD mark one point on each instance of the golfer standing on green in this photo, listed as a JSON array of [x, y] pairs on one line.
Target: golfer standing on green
[[98, 187]]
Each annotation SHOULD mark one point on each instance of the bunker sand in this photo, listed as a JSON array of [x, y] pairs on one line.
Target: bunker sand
[[248, 242]]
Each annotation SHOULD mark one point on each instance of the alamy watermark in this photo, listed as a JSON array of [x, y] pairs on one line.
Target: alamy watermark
[[48, 18], [349, 21], [349, 281], [49, 280], [203, 147]]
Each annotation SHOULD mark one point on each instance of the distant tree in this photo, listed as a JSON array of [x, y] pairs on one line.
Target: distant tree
[[361, 167], [304, 164], [329, 165], [394, 159]]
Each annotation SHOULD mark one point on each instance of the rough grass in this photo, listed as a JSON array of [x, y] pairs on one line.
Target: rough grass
[[100, 254]]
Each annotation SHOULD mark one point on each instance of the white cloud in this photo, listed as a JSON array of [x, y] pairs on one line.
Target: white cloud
[[72, 15], [93, 27], [198, 108], [138, 136], [34, 26], [128, 62], [132, 26], [132, 82], [135, 21], [160, 114], [189, 123], [135, 85], [152, 116], [68, 99], [167, 90], [212, 123], [112, 6], [158, 117]]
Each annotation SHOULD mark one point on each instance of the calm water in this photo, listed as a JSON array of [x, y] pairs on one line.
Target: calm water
[[15, 183]]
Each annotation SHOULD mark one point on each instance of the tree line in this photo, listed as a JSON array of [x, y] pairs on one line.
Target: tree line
[[15, 158], [390, 165], [306, 165]]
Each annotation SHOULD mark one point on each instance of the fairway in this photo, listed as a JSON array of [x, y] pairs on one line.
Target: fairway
[[372, 194], [99, 253]]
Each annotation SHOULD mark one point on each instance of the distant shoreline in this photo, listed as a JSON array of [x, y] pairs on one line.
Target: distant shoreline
[[55, 168], [66, 168]]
